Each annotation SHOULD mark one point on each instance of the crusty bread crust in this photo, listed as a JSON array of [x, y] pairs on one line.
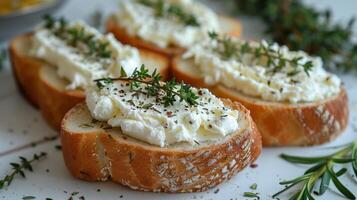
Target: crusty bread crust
[[53, 98], [98, 155], [50, 95], [25, 69], [282, 124], [230, 26]]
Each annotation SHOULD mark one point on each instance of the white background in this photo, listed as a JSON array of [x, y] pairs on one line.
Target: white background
[[21, 124]]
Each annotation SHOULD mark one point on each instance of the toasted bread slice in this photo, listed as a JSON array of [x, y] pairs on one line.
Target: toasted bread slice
[[25, 68], [280, 123], [54, 100], [229, 26], [94, 152]]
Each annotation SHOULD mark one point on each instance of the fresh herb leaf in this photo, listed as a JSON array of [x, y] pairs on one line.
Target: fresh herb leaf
[[163, 9], [166, 92], [301, 27], [322, 169], [325, 182], [28, 197], [253, 186], [251, 195], [77, 37], [230, 49], [101, 83], [122, 72], [18, 168]]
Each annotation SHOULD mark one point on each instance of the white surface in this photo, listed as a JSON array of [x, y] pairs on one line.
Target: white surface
[[21, 124]]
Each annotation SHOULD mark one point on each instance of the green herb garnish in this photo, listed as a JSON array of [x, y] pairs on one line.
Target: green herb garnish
[[18, 168], [229, 49], [301, 27], [166, 92], [322, 169], [251, 195], [253, 186], [28, 197], [170, 10], [77, 37]]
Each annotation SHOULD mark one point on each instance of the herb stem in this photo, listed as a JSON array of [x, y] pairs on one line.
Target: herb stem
[[323, 169], [18, 168], [144, 82], [165, 92]]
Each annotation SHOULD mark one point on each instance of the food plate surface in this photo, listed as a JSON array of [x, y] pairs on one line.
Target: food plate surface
[[21, 127]]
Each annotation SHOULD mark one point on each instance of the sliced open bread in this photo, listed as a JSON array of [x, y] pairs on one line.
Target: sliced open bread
[[280, 123], [25, 68], [95, 152], [229, 26], [55, 100], [43, 88]]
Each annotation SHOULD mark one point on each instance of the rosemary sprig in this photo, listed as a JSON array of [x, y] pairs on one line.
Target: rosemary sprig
[[300, 27], [229, 49], [170, 10], [322, 169], [165, 92], [19, 168], [78, 38]]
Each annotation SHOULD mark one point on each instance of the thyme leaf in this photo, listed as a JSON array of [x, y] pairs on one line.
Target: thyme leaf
[[151, 85], [19, 168], [77, 37], [230, 49], [162, 9]]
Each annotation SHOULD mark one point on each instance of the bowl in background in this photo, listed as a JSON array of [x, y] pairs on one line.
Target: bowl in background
[[24, 20]]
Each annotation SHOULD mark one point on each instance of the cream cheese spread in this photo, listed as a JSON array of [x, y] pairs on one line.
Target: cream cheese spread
[[141, 20], [74, 64], [252, 77], [140, 117]]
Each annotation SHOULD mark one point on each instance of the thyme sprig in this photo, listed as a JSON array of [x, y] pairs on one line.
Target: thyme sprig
[[230, 49], [300, 27], [19, 168], [323, 169], [165, 92], [77, 37], [170, 10]]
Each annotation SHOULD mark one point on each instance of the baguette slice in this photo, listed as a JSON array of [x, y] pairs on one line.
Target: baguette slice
[[94, 152], [281, 124], [229, 26], [25, 69], [55, 101]]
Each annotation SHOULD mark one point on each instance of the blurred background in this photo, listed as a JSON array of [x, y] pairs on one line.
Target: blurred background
[[21, 15]]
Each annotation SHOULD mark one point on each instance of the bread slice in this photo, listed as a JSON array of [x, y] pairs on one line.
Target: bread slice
[[55, 100], [40, 84], [229, 25], [281, 124], [94, 152], [25, 69]]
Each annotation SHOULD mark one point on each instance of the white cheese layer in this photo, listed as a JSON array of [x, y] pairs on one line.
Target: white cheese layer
[[78, 68], [141, 118], [140, 20], [252, 77]]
